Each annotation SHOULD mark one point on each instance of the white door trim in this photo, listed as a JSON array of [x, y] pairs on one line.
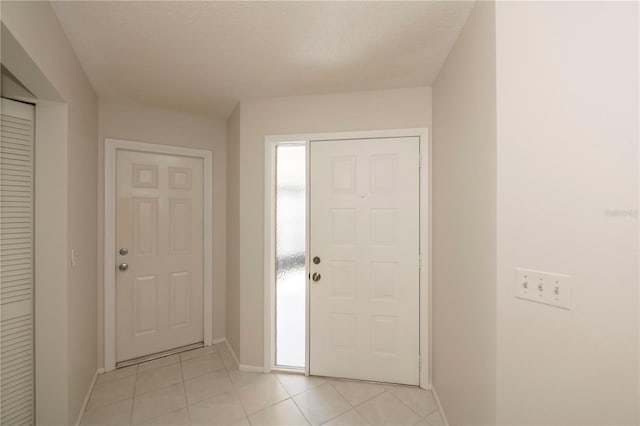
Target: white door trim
[[271, 142], [111, 147]]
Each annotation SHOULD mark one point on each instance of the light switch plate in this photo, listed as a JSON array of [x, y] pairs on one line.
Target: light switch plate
[[74, 258], [544, 287]]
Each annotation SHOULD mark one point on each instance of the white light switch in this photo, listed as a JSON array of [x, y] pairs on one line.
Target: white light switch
[[544, 287], [74, 258]]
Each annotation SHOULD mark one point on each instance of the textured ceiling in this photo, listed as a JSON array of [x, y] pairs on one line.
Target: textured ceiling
[[206, 56]]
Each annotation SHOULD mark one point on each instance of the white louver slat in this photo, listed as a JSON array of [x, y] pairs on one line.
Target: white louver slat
[[17, 393]]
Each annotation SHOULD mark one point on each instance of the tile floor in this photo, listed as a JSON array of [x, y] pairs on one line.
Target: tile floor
[[204, 387]]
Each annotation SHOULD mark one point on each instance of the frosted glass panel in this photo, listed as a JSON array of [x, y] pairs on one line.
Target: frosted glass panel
[[290, 253]]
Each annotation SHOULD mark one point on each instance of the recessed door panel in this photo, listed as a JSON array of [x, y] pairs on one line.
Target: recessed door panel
[[364, 225], [159, 223], [145, 223], [145, 305], [180, 299], [181, 226]]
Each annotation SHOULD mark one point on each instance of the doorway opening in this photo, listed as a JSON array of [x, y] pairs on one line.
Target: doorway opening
[[181, 295], [290, 255]]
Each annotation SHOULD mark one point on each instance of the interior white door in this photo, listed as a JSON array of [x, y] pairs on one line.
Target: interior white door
[[159, 224], [364, 228], [17, 394]]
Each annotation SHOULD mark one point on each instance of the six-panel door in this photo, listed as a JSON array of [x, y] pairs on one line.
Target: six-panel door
[[159, 223], [364, 227]]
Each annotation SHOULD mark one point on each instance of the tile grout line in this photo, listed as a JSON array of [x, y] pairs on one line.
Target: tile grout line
[[184, 389], [352, 407], [110, 403], [161, 388], [300, 410], [362, 402], [412, 409], [387, 390], [291, 397], [406, 405], [236, 393], [133, 399]]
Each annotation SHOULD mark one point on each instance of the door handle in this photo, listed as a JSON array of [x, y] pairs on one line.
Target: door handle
[[316, 277], [123, 267]]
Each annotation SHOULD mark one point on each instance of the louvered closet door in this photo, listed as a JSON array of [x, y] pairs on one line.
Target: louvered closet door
[[16, 264]]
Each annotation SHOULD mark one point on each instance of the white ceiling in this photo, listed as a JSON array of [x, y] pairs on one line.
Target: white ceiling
[[206, 56]]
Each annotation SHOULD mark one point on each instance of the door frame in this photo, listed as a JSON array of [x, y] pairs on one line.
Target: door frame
[[271, 142], [111, 148]]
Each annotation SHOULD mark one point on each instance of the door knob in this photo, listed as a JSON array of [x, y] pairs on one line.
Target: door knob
[[123, 267], [316, 276]]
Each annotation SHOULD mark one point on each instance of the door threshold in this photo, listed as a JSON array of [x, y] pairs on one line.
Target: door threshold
[[288, 370], [144, 358]]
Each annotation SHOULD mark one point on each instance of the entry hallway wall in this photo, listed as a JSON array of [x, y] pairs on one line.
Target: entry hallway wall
[[66, 306], [568, 118], [464, 225], [233, 230], [125, 120], [374, 110]]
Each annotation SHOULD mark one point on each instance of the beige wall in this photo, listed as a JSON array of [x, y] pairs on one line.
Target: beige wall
[[66, 337], [404, 108], [233, 230], [129, 121], [464, 225], [567, 109]]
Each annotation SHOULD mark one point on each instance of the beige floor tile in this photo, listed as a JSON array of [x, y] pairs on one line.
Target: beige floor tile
[[160, 362], [118, 413], [207, 386], [298, 383], [284, 413], [434, 419], [350, 418], [178, 417], [262, 394], [386, 409], [112, 391], [158, 378], [226, 357], [224, 409], [419, 400], [221, 348], [158, 402], [197, 353], [117, 374], [202, 365], [321, 403], [357, 392], [242, 378]]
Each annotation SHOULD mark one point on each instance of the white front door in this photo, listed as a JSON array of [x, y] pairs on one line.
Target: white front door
[[364, 231], [159, 236]]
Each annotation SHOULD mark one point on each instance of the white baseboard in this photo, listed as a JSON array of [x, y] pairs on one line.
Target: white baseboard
[[88, 395], [220, 340], [243, 367], [251, 368], [233, 354], [442, 414]]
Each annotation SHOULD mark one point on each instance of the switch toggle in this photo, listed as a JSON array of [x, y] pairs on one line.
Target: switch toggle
[[549, 288]]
